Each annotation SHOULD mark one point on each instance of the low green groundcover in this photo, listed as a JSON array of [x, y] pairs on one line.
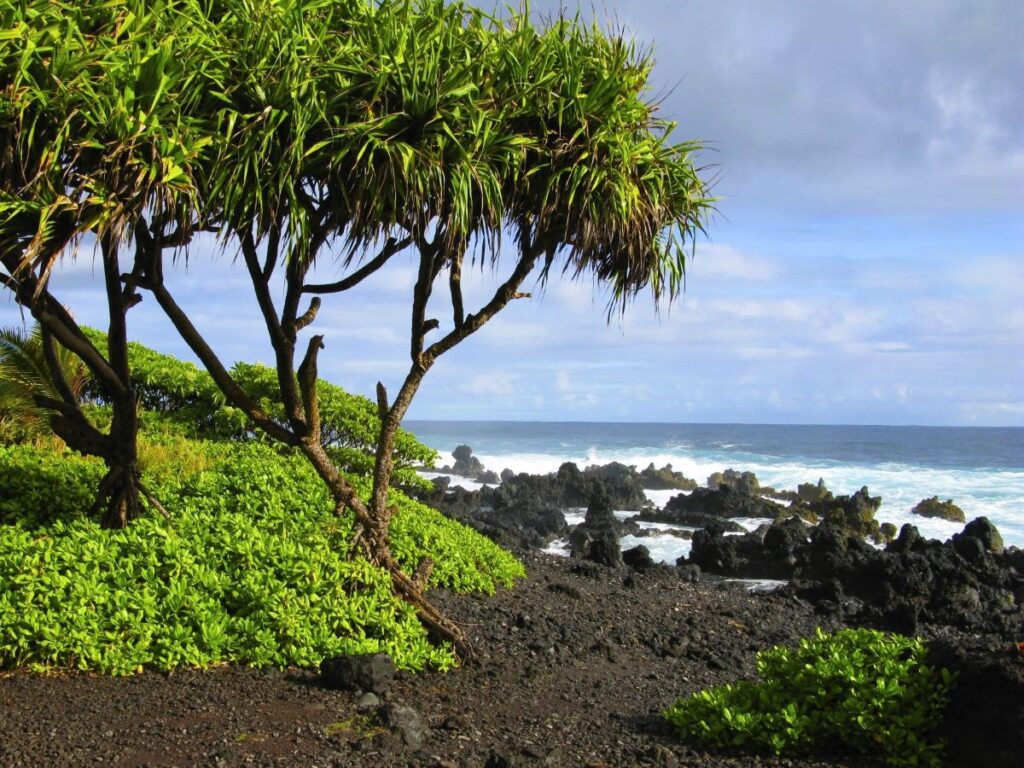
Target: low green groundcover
[[859, 689], [251, 566]]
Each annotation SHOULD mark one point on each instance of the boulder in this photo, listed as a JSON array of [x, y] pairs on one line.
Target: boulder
[[945, 510], [985, 702], [982, 529], [638, 558], [371, 673]]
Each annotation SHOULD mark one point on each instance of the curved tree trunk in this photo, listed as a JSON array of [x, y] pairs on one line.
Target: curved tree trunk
[[119, 495]]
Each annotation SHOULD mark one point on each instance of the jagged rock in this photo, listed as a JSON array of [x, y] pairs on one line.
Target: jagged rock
[[488, 477], [605, 550], [744, 482], [946, 510], [688, 571], [810, 493], [597, 537], [466, 464], [852, 515], [704, 505], [371, 673], [665, 479], [785, 539], [507, 474], [716, 553]]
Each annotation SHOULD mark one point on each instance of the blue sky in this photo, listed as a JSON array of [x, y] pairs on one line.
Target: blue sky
[[866, 264]]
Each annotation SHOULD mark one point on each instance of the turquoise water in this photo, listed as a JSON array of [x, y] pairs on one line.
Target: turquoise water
[[981, 469]]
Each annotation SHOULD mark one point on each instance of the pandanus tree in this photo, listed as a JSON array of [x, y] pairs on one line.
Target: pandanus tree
[[94, 135], [307, 133], [357, 131]]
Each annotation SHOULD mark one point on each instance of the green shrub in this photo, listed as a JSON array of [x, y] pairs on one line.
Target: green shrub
[[252, 567], [175, 392], [859, 689]]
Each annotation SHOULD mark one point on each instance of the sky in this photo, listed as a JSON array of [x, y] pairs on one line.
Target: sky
[[865, 264]]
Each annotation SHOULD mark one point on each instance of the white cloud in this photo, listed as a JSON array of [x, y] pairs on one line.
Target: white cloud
[[491, 385], [723, 262]]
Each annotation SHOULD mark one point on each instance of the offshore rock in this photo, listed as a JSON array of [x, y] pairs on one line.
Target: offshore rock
[[744, 482], [665, 479], [466, 464], [945, 510]]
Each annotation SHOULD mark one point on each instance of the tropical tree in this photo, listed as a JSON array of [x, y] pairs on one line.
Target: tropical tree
[[92, 131], [303, 131], [359, 130]]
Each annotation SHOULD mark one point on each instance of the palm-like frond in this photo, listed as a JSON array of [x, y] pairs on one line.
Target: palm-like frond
[[24, 376]]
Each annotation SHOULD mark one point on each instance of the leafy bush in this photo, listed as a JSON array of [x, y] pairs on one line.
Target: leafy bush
[[859, 689], [186, 395], [252, 567]]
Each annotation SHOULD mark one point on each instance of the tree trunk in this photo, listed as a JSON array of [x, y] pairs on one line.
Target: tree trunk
[[373, 539], [120, 490]]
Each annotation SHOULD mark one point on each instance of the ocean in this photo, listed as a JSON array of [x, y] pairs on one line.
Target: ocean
[[980, 469]]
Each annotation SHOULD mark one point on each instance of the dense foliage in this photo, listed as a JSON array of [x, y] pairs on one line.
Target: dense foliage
[[857, 689], [185, 395], [251, 567]]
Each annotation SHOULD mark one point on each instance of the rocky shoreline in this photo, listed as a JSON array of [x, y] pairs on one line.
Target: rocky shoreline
[[830, 549], [575, 664]]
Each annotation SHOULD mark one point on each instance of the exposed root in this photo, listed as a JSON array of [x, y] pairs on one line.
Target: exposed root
[[118, 497]]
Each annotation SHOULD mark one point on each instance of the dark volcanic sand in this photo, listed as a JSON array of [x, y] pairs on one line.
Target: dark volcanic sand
[[573, 667]]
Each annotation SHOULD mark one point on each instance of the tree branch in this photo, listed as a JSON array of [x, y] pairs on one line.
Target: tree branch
[[224, 381], [391, 247], [60, 381], [54, 318], [309, 315], [280, 339], [307, 385], [505, 293], [455, 286]]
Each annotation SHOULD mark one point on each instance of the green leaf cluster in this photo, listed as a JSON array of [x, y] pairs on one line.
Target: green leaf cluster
[[314, 120], [857, 689], [178, 392], [253, 567]]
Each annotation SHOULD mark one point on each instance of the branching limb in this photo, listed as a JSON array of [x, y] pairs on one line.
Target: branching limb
[[56, 370], [309, 315], [391, 247], [234, 393], [54, 318], [455, 286], [505, 293], [307, 385], [282, 341]]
